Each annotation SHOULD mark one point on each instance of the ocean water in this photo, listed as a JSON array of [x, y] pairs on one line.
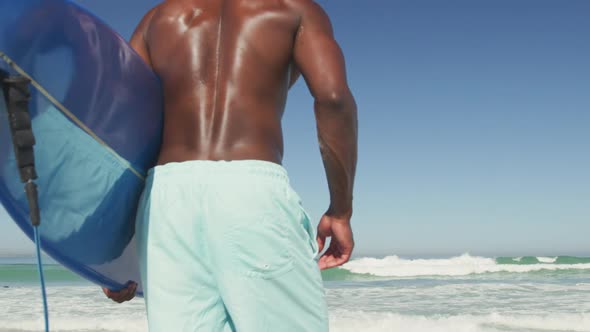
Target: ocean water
[[458, 294]]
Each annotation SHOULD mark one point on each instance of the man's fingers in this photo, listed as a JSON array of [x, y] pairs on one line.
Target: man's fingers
[[126, 297], [123, 295], [325, 260], [127, 293], [324, 231], [332, 261], [334, 256], [321, 242], [133, 290], [341, 243], [321, 238], [338, 261]]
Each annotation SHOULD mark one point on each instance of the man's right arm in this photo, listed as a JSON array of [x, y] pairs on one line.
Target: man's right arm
[[321, 62]]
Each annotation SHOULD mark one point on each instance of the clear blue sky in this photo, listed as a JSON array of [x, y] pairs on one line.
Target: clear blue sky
[[474, 125]]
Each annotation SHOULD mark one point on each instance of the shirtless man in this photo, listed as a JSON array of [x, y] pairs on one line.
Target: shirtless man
[[224, 242]]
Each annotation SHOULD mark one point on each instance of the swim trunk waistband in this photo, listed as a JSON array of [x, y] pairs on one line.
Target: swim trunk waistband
[[214, 167]]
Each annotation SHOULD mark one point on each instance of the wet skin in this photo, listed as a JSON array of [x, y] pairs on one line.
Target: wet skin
[[226, 68]]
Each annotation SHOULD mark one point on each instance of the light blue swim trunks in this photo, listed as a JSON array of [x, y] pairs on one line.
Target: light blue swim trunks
[[227, 246]]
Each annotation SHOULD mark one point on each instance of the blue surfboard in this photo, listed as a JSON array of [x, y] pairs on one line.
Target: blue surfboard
[[97, 112]]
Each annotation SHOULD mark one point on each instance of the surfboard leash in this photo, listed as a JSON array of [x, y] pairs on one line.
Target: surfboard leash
[[17, 96]]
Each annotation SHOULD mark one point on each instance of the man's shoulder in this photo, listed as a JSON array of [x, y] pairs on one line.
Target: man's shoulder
[[298, 5], [172, 8], [308, 8], [303, 5]]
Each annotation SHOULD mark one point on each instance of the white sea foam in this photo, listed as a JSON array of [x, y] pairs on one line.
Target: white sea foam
[[409, 306], [87, 324], [356, 321], [389, 322], [547, 259], [394, 266]]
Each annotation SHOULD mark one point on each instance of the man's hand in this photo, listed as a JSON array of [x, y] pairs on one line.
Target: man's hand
[[123, 295], [341, 244]]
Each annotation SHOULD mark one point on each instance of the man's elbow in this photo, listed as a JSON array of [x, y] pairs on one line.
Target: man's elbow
[[337, 100]]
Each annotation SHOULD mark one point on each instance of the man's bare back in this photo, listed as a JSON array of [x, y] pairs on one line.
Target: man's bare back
[[226, 67]]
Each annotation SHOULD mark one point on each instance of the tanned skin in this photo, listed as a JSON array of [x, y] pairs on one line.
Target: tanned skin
[[226, 67]]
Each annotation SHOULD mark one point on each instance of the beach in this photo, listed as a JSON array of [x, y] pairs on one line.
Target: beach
[[456, 294]]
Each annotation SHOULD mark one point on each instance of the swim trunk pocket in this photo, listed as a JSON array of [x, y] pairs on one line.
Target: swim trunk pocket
[[261, 248], [303, 219], [307, 225]]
